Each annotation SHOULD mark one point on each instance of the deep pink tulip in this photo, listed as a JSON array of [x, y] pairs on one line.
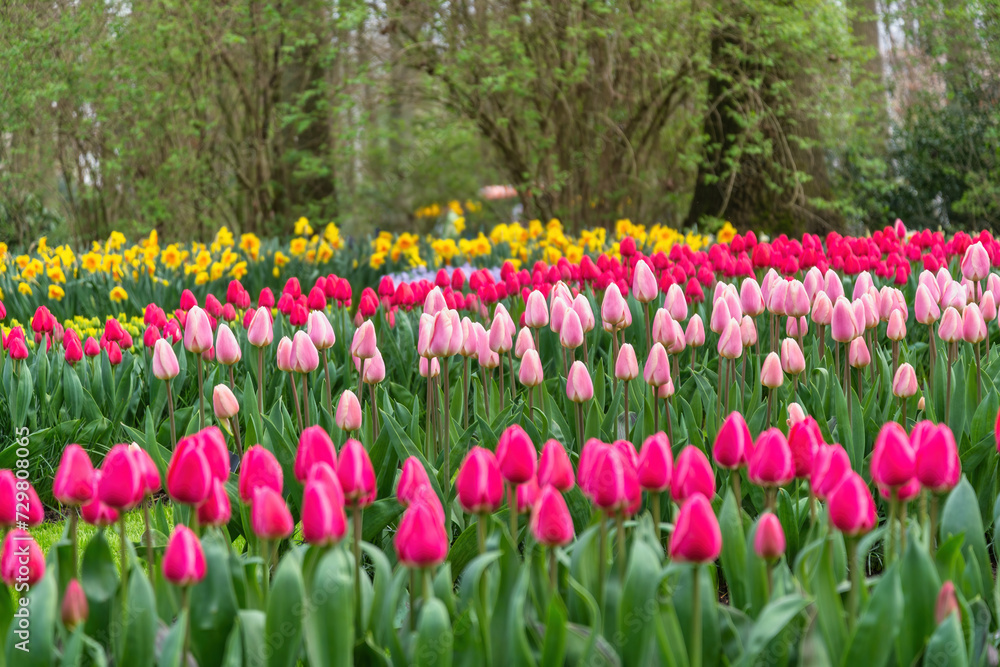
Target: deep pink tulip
[[656, 463], [769, 540], [831, 464], [122, 484], [74, 349], [314, 446], [851, 506], [259, 469], [216, 509], [18, 502], [526, 495], [554, 467], [150, 473], [551, 523], [356, 474], [693, 475], [74, 481], [97, 513], [937, 465], [21, 561], [189, 475], [893, 458], [772, 463], [348, 416], [323, 519], [269, 515], [579, 386], [413, 482], [731, 442], [696, 537], [183, 559], [516, 455], [804, 438], [421, 540], [479, 482], [74, 609], [613, 483]]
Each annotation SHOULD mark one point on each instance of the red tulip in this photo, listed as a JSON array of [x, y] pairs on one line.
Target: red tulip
[[893, 457], [216, 509], [769, 540], [421, 540], [554, 467], [21, 561], [479, 482], [656, 463], [693, 475], [314, 446], [74, 481], [356, 475], [516, 455], [122, 485], [851, 506], [696, 537], [732, 441], [183, 559], [772, 463], [804, 438], [551, 523], [259, 469]]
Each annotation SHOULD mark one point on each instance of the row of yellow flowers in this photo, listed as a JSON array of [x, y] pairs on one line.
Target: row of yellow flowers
[[227, 257]]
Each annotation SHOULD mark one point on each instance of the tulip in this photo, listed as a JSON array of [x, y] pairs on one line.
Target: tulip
[[696, 539], [97, 513], [197, 331], [348, 417], [976, 262], [259, 469], [657, 369], [189, 475], [804, 438], [269, 515], [858, 355], [626, 365], [323, 519], [676, 303], [21, 561], [851, 506], [183, 559], [530, 373], [731, 341], [523, 343], [843, 324], [516, 455], [692, 475], [729, 450], [613, 309], [356, 475], [19, 504], [421, 540], [904, 385], [579, 386], [694, 334], [769, 540], [644, 286], [795, 413], [946, 603], [559, 308], [925, 306], [216, 509], [121, 484], [429, 368], [413, 482], [165, 366], [315, 446], [551, 523], [227, 350], [536, 313], [892, 462], [74, 610], [554, 467], [792, 360], [479, 482], [655, 464], [74, 349], [571, 334], [936, 463], [581, 306], [720, 316], [74, 481], [751, 298], [363, 345], [771, 465]]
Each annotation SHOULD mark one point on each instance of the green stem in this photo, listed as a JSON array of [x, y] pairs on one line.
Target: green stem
[[696, 618], [852, 595], [622, 554], [553, 569], [326, 370], [305, 398], [655, 503], [260, 380], [356, 529], [201, 393], [74, 518], [602, 560], [481, 532], [512, 508], [295, 399], [170, 411], [149, 535], [446, 427], [186, 610], [124, 561]]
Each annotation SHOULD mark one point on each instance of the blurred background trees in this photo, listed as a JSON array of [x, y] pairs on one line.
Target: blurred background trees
[[780, 116]]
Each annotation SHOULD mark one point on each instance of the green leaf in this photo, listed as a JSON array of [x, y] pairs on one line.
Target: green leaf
[[213, 603], [329, 626], [554, 647], [961, 517], [947, 644], [37, 646], [871, 642], [138, 622], [734, 558], [435, 640], [773, 619], [639, 605], [285, 611], [919, 597]]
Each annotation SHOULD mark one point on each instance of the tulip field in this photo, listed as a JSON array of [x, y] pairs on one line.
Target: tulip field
[[654, 449]]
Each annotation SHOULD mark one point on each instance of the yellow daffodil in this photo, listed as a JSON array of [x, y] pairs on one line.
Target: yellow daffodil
[[24, 288], [118, 294], [56, 293]]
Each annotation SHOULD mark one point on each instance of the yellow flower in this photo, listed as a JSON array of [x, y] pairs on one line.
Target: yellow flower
[[22, 261], [250, 244], [24, 288], [324, 253], [332, 236], [377, 260], [726, 234], [56, 275], [297, 246], [118, 293], [203, 260], [43, 245], [302, 227], [115, 241], [56, 293], [201, 278], [455, 207], [280, 259], [171, 257], [459, 223], [445, 250], [3, 250], [217, 270], [239, 270]]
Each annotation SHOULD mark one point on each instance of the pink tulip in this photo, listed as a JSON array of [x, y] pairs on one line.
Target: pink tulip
[[612, 484], [937, 465], [843, 326], [796, 299], [554, 467], [675, 303], [74, 609], [363, 345], [661, 330], [183, 559], [792, 360], [626, 365], [21, 561], [189, 475], [197, 331], [323, 519], [284, 356], [657, 369], [776, 297], [696, 537], [523, 343], [551, 523], [487, 358], [644, 286], [772, 464], [526, 495], [434, 302], [795, 414], [216, 509], [227, 350], [946, 603], [374, 369], [896, 329], [421, 540], [822, 309], [656, 463], [731, 341], [976, 262], [430, 368], [925, 306], [694, 334], [857, 353], [613, 309], [571, 333], [851, 506], [804, 438], [259, 469], [165, 366], [320, 330], [442, 330], [18, 502], [830, 465], [479, 482], [904, 384], [893, 458], [224, 403], [348, 415], [413, 481], [516, 455], [973, 325], [748, 331], [97, 513], [769, 540], [581, 306], [315, 446], [560, 307], [269, 515], [536, 313], [731, 442], [305, 356], [720, 316], [260, 332], [121, 484], [579, 386], [74, 481], [770, 371], [693, 475], [751, 298]]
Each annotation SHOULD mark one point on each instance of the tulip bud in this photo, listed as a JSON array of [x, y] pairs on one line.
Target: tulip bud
[[581, 306], [656, 463], [74, 481], [197, 331], [165, 366], [771, 464], [320, 330], [770, 371], [560, 306], [216, 509], [804, 438], [792, 360], [896, 329], [571, 333], [516, 455], [769, 540], [613, 308], [536, 313], [925, 306], [973, 325], [893, 458], [258, 469], [748, 331], [976, 262], [21, 561], [693, 475], [183, 559], [657, 369], [696, 537], [189, 475], [225, 403], [74, 605], [421, 540], [523, 343], [284, 356], [356, 474], [413, 481], [843, 325], [732, 441], [121, 484], [626, 366], [363, 345], [323, 519], [479, 482], [851, 506], [857, 354], [644, 286], [947, 603], [904, 384], [554, 467], [315, 446], [579, 386], [751, 298], [936, 463], [551, 523], [694, 334], [731, 341], [530, 374], [269, 515], [227, 350], [305, 356]]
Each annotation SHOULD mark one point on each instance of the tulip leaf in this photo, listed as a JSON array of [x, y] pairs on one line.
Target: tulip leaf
[[772, 621], [285, 611], [329, 625], [435, 640], [876, 629], [253, 624], [961, 516], [554, 645], [405, 448], [640, 605], [213, 604], [138, 622], [173, 644], [36, 646], [919, 596], [947, 644], [734, 561]]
